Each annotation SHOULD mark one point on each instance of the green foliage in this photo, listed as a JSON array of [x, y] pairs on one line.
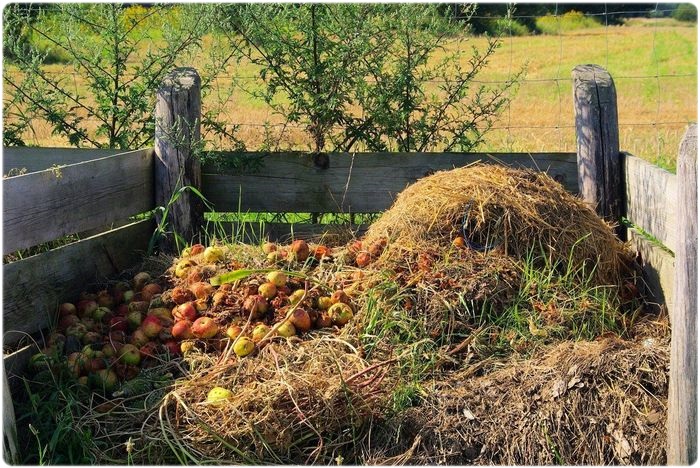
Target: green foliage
[[356, 76], [569, 21], [122, 53], [49, 422], [686, 12], [505, 26]]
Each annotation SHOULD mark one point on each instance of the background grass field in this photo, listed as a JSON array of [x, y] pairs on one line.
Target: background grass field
[[653, 63]]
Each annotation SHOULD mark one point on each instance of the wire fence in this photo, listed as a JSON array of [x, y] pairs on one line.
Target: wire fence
[[651, 58]]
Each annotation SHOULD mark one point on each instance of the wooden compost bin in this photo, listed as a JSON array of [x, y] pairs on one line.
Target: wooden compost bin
[[95, 192]]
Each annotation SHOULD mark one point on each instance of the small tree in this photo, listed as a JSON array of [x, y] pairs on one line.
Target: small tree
[[368, 75], [122, 54]]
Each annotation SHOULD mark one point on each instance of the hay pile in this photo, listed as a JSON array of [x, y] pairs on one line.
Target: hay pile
[[514, 212], [302, 401]]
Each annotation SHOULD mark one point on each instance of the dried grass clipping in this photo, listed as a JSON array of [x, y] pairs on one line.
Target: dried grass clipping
[[287, 401], [513, 211], [580, 403]]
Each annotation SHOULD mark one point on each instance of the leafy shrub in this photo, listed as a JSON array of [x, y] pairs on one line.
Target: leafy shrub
[[569, 21], [686, 12], [506, 27]]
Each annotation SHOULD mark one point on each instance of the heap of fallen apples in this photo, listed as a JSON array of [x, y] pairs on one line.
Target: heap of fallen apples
[[203, 301]]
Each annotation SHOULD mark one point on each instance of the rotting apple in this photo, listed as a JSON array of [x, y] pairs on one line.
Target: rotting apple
[[341, 313], [301, 320], [299, 250]]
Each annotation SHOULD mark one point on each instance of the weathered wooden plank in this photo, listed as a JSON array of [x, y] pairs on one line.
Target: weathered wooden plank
[[255, 233], [39, 159], [356, 183], [33, 287], [178, 116], [46, 205], [598, 141], [651, 201], [657, 267], [683, 381], [10, 447]]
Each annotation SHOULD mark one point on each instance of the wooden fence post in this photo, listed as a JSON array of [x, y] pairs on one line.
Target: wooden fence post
[[178, 112], [598, 142], [682, 392]]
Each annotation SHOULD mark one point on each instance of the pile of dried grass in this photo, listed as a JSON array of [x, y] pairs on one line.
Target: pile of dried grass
[[580, 403], [305, 401], [516, 212]]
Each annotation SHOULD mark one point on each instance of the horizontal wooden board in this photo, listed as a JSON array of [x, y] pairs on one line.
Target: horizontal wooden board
[[354, 183], [43, 206], [39, 159], [255, 233], [651, 199], [33, 287], [657, 266]]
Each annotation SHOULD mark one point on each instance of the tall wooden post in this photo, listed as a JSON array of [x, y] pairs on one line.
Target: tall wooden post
[[598, 142], [682, 391], [177, 136]]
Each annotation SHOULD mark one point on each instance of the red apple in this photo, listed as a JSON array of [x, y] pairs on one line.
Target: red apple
[[269, 247], [204, 327], [186, 311], [182, 330], [151, 326]]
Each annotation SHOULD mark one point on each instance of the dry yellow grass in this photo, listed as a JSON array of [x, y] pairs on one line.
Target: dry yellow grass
[[653, 63]]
